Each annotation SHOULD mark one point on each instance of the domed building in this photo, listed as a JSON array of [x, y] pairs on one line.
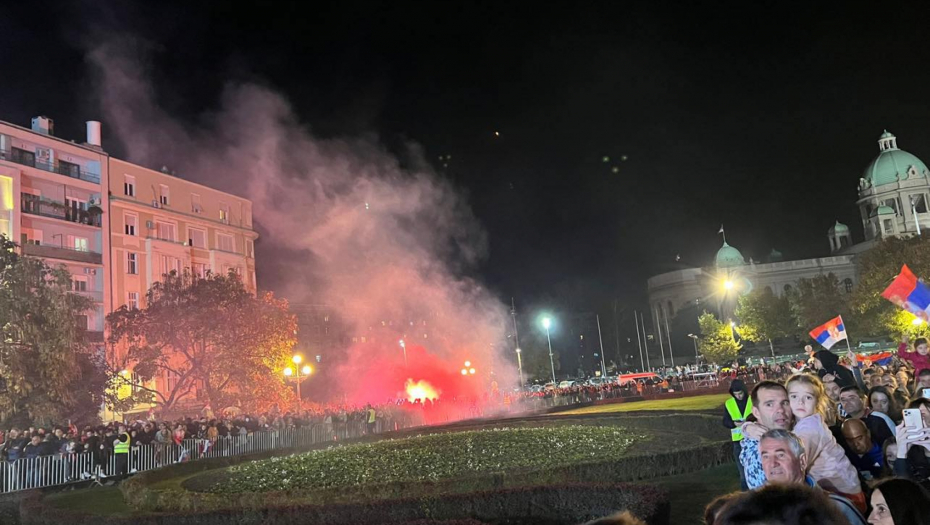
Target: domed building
[[894, 192]]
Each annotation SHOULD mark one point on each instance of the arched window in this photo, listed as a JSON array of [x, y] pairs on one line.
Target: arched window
[[787, 288], [848, 284]]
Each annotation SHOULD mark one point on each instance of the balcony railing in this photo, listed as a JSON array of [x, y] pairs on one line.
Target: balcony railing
[[35, 205], [61, 252], [27, 158]]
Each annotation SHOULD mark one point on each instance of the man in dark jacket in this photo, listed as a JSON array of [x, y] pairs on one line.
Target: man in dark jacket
[[736, 410], [827, 363]]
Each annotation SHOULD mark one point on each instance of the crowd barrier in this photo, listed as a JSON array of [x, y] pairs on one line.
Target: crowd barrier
[[61, 469]]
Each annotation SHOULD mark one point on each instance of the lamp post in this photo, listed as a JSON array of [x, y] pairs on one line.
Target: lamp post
[[404, 346], [547, 322], [516, 340], [695, 338], [296, 373]]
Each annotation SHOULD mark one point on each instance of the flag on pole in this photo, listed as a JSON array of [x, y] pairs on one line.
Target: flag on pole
[[909, 293], [829, 333]]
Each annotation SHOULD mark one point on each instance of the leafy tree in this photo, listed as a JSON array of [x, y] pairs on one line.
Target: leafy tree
[[876, 268], [212, 336], [48, 371], [765, 316], [816, 301], [717, 343]]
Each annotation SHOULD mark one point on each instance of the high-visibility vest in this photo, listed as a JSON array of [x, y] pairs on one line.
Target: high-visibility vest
[[121, 447], [736, 434], [371, 415]]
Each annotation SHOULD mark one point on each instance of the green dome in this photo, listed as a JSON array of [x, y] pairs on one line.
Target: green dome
[[884, 210], [728, 257], [839, 227], [892, 164]]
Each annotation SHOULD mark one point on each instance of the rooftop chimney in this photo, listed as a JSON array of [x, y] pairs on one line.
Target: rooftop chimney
[[93, 133], [43, 125]]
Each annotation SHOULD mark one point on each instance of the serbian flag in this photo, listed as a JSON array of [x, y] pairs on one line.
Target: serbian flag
[[829, 333], [909, 293]]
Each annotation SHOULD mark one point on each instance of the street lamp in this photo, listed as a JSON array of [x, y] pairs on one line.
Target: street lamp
[[696, 357], [728, 284], [547, 322], [404, 346], [296, 373]]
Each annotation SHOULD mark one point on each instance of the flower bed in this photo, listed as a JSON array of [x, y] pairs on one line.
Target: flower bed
[[426, 458]]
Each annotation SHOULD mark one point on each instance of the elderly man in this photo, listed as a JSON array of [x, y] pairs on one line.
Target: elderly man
[[772, 410], [853, 402], [862, 452], [784, 462]]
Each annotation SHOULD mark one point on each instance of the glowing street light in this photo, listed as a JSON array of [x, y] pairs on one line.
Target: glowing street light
[[917, 321], [728, 284], [547, 322], [696, 356], [404, 346], [296, 373]]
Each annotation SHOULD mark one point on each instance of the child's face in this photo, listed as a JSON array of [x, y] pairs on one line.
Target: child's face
[[922, 349], [880, 403], [802, 399]]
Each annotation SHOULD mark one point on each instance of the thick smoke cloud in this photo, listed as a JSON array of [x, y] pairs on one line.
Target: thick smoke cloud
[[384, 242]]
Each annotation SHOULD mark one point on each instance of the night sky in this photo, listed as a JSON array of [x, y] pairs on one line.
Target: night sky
[[760, 117]]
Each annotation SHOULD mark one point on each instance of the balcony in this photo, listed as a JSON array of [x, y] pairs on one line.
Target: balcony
[[60, 252], [66, 211], [28, 158]]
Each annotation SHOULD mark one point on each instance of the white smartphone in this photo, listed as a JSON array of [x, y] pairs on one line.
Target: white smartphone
[[926, 393], [912, 418]]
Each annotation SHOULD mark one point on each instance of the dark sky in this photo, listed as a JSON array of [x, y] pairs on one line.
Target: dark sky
[[757, 115]]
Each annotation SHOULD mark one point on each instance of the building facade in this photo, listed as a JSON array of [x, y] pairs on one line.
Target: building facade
[[52, 203], [894, 192]]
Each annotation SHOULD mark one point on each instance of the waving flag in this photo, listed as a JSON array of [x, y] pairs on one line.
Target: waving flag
[[909, 293], [829, 333]]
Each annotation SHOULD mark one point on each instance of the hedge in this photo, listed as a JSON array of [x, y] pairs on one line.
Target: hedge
[[537, 505]]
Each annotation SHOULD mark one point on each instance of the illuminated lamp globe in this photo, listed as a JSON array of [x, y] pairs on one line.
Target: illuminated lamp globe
[[464, 372], [728, 284], [546, 322], [288, 371], [471, 370], [306, 370], [467, 363], [297, 359]]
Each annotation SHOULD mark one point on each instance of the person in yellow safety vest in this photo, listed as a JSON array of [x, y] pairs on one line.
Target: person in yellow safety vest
[[372, 417], [737, 409], [121, 451]]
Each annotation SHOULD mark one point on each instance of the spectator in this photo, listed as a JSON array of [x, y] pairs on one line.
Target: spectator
[[12, 448], [923, 381], [899, 502], [827, 364], [712, 510], [865, 455], [771, 410], [782, 504], [913, 447], [882, 404], [785, 462], [737, 410], [853, 401], [827, 461], [919, 357], [833, 389]]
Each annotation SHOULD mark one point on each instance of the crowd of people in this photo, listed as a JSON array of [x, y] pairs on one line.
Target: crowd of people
[[839, 440]]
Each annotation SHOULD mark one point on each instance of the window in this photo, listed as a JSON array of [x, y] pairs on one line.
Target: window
[[130, 223], [892, 203], [132, 300], [31, 236], [250, 248], [200, 270], [195, 203], [170, 264], [77, 243], [132, 266], [81, 321], [888, 225], [79, 283], [920, 203], [163, 194], [69, 168], [166, 231], [129, 185], [224, 213], [848, 285], [197, 238], [225, 242]]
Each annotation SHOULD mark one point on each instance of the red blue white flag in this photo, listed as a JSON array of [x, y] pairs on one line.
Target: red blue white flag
[[909, 293], [829, 333]]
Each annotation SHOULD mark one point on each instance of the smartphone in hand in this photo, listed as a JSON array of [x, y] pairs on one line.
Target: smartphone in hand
[[912, 418]]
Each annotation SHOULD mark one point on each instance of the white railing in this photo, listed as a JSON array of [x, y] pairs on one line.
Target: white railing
[[60, 469]]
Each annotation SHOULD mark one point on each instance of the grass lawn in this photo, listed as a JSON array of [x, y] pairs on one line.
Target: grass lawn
[[690, 493], [98, 500], [708, 402]]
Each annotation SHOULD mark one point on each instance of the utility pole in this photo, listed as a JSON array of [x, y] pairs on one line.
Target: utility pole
[[639, 342], [668, 337], [661, 349], [516, 338], [601, 341]]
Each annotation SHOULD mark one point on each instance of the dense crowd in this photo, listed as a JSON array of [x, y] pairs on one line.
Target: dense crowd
[[840, 439]]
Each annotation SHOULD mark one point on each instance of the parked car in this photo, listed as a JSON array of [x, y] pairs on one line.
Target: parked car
[[568, 383]]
